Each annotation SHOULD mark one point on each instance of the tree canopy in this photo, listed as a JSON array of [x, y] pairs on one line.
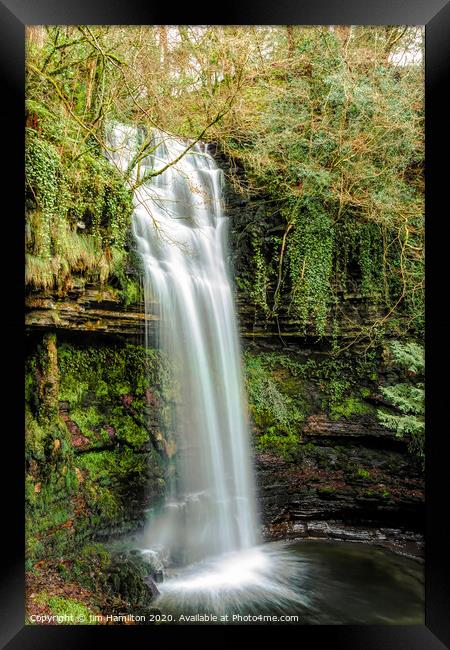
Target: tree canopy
[[327, 123]]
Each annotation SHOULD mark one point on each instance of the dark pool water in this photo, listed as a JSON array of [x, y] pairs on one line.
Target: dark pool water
[[318, 582]]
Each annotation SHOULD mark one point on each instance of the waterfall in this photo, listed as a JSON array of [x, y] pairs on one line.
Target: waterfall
[[180, 232]]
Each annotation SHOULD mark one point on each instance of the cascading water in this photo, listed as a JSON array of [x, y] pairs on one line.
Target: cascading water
[[180, 233], [208, 524], [207, 527]]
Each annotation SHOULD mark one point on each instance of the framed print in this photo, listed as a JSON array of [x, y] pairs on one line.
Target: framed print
[[231, 397]]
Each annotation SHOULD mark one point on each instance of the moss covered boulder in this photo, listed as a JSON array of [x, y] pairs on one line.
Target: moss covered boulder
[[97, 441]]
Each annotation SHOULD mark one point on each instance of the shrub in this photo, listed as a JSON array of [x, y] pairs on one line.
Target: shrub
[[407, 398]]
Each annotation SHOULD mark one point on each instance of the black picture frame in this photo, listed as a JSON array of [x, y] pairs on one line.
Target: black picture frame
[[435, 15]]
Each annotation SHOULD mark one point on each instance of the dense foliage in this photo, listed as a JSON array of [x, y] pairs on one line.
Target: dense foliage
[[407, 396], [285, 389], [335, 147], [327, 124]]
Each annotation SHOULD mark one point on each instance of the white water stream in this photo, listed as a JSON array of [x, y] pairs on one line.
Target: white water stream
[[180, 232], [207, 527]]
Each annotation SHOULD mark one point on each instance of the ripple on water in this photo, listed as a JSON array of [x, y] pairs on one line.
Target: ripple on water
[[320, 582]]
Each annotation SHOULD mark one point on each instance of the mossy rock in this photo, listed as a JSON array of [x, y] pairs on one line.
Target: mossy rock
[[326, 491], [128, 577], [349, 407], [72, 611], [93, 467]]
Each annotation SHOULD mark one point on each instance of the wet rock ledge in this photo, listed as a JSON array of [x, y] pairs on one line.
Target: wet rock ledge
[[350, 479], [86, 309]]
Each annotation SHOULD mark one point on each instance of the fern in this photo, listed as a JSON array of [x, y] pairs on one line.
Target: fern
[[408, 398]]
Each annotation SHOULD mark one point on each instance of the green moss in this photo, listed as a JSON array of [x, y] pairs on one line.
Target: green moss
[[35, 438], [31, 379], [340, 380], [285, 445], [276, 414], [108, 371], [127, 429], [114, 572], [107, 388], [349, 407], [131, 292], [105, 507], [95, 554], [64, 194], [49, 519], [125, 577], [95, 423], [34, 548], [71, 496], [118, 465], [326, 490], [74, 612], [90, 421], [283, 389], [111, 476], [362, 473], [90, 566]]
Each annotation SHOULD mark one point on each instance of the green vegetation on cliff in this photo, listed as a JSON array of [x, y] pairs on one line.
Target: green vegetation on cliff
[[320, 133], [407, 397], [78, 211], [333, 142], [94, 443], [97, 445], [285, 389], [324, 123]]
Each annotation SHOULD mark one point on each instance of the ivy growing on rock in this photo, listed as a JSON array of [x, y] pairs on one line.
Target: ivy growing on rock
[[335, 141], [78, 208], [325, 124]]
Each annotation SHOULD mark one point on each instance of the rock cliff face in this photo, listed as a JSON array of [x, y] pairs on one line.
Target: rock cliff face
[[346, 483], [333, 471], [96, 456], [348, 477], [86, 309], [94, 309], [344, 475]]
